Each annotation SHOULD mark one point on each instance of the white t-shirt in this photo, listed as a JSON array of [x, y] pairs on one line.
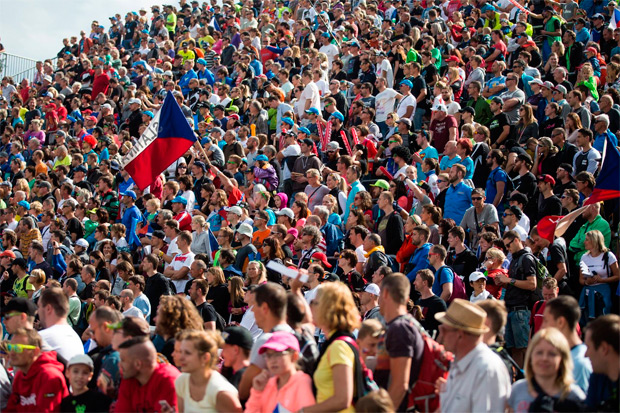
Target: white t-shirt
[[311, 294], [133, 311], [311, 93], [330, 51], [248, 321], [384, 104], [386, 67], [404, 103], [178, 262], [589, 265], [361, 254], [217, 383], [172, 249], [63, 340], [291, 150]]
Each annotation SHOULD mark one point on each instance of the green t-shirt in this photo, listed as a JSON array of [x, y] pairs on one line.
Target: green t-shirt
[[22, 286]]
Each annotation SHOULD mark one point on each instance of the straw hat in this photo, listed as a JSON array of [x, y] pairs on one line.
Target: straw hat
[[465, 316]]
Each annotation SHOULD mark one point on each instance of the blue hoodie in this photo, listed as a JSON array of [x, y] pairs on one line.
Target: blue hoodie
[[419, 259]]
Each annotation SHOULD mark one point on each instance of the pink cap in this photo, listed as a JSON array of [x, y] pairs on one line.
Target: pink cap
[[592, 50], [280, 341]]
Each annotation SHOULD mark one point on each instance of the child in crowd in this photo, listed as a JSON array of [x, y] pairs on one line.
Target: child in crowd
[[478, 282], [82, 399], [281, 387], [368, 339]]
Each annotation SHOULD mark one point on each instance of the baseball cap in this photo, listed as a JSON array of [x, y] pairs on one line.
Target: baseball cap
[[517, 211], [286, 211], [382, 183], [131, 194], [159, 234], [238, 336], [497, 100], [406, 83], [560, 89], [338, 116], [452, 59], [548, 85], [404, 120], [20, 305], [7, 253], [546, 178], [440, 108], [518, 197], [280, 341], [598, 16], [536, 82], [245, 229], [180, 200], [262, 158], [373, 288], [81, 359], [529, 43], [132, 326], [234, 209], [333, 146], [307, 141], [329, 277], [24, 204], [321, 257], [313, 110], [468, 109], [288, 121], [475, 276], [134, 100], [304, 130], [592, 50], [82, 243]]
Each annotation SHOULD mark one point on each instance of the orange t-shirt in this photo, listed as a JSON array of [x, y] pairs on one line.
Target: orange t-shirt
[[258, 238]]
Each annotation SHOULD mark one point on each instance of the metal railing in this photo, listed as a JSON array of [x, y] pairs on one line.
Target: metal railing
[[18, 67]]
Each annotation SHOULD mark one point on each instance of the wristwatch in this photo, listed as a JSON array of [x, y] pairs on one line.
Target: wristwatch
[[513, 281]]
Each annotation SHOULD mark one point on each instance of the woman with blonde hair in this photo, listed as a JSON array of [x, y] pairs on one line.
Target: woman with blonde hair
[[612, 79], [37, 279], [200, 387], [330, 202], [256, 273], [218, 295], [338, 189], [598, 268], [527, 127], [545, 158], [334, 312], [573, 124], [548, 382], [175, 314], [200, 237]]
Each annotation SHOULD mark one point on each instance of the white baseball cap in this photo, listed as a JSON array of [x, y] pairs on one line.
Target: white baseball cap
[[373, 288], [245, 229]]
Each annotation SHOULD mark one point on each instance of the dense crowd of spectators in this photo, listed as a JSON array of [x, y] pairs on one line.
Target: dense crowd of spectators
[[366, 202]]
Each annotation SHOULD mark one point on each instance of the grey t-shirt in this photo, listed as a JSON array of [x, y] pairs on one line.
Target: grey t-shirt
[[259, 359], [486, 217], [520, 397], [513, 115], [315, 195]]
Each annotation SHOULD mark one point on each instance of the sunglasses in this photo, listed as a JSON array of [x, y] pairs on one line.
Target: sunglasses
[[507, 214], [17, 348], [476, 198]]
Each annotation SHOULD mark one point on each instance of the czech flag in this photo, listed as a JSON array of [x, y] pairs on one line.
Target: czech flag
[[613, 21], [213, 246], [164, 141], [607, 183]]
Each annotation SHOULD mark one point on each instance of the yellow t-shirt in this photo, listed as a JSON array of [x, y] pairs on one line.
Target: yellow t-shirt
[[20, 289], [187, 55], [338, 352]]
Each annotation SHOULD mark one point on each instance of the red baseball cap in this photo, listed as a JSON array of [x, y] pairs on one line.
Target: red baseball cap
[[8, 253], [546, 178], [592, 50], [321, 257]]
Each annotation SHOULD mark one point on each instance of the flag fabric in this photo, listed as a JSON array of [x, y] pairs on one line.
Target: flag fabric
[[213, 23], [547, 225], [164, 141], [607, 183], [132, 237], [613, 22], [213, 245]]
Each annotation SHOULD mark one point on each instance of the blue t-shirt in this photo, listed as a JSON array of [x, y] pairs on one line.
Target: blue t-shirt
[[468, 163], [447, 163], [458, 200], [442, 276], [599, 141], [500, 80], [496, 175], [429, 152]]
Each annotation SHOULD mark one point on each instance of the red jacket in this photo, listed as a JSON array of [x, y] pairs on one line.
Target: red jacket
[[41, 389], [132, 397]]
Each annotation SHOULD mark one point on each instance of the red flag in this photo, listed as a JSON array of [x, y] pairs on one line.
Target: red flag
[[547, 225]]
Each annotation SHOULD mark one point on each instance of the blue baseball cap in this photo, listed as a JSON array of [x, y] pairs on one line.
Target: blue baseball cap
[[304, 130], [338, 116], [407, 83], [179, 200], [24, 204], [326, 35], [130, 194], [288, 121], [201, 61], [487, 7], [148, 113], [313, 110], [262, 158]]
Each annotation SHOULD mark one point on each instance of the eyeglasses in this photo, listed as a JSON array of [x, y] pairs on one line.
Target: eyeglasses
[[440, 181], [390, 117], [17, 348], [506, 214], [476, 198]]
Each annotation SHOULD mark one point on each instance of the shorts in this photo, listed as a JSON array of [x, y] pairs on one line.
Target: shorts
[[518, 329]]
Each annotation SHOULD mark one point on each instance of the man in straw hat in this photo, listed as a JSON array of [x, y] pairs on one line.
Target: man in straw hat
[[478, 380]]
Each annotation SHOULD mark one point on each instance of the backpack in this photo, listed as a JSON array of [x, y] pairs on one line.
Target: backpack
[[458, 287], [435, 364], [363, 380], [514, 371], [541, 271], [392, 263]]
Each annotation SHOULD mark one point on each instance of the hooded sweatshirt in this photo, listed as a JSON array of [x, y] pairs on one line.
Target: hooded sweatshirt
[[41, 389]]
